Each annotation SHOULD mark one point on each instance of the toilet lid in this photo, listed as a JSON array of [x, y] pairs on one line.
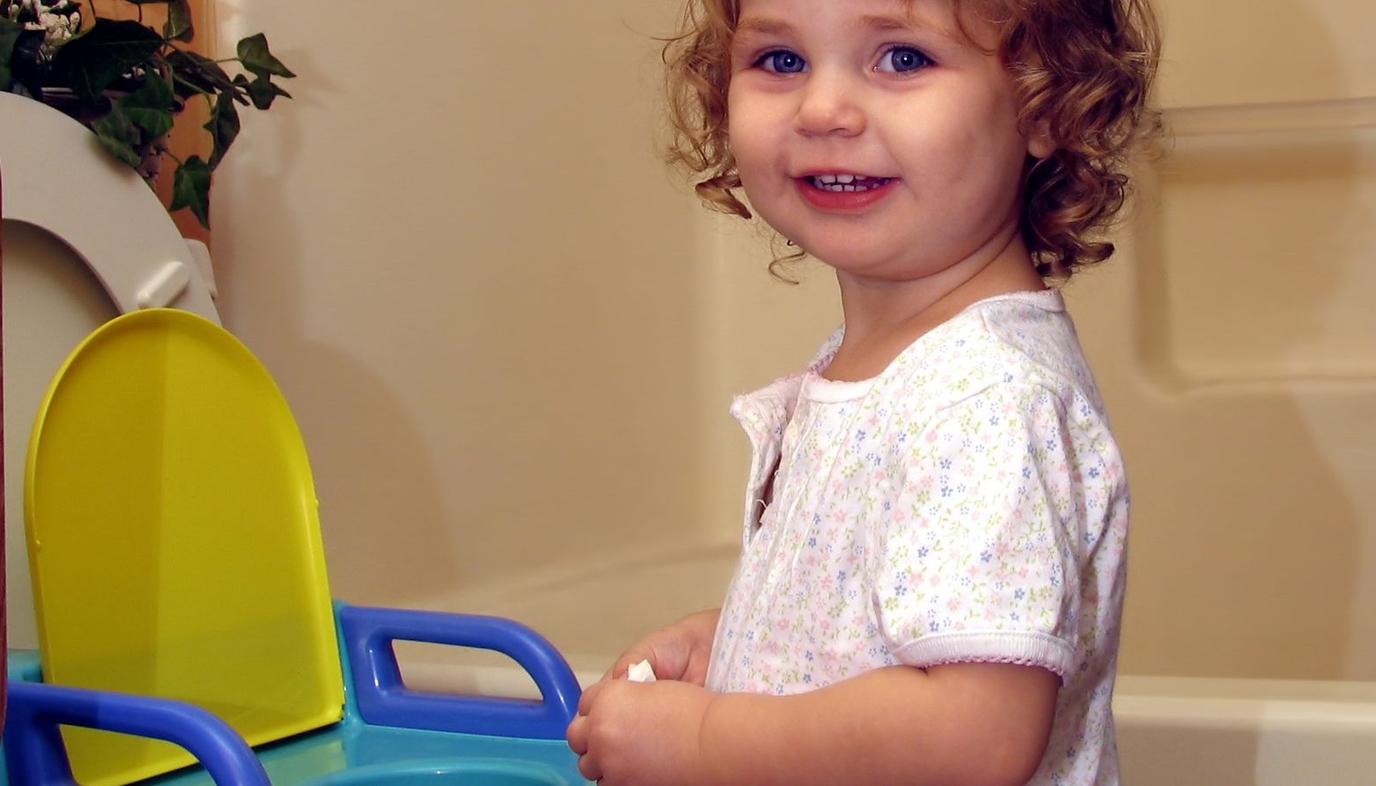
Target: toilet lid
[[174, 539]]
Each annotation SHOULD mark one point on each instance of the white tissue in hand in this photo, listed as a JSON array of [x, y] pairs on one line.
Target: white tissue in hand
[[641, 672]]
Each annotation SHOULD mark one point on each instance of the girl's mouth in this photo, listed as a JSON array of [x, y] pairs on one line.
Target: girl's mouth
[[846, 183], [844, 193]]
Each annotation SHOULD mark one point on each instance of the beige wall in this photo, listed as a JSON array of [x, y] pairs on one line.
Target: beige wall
[[1236, 347], [459, 255], [509, 335]]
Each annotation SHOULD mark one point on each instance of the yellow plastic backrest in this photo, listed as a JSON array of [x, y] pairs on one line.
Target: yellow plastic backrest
[[174, 540]]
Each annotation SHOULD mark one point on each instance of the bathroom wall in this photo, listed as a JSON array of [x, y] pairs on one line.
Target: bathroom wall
[[510, 335], [459, 254], [1234, 346]]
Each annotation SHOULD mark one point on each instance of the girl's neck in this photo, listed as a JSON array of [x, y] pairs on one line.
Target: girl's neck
[[884, 317]]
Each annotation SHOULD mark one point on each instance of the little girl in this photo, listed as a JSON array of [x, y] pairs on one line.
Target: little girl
[[933, 570]]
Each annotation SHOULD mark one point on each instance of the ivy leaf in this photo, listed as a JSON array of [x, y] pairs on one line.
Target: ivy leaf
[[179, 26], [150, 107], [197, 73], [253, 53], [118, 134], [9, 36], [191, 188], [223, 127], [89, 63], [262, 90]]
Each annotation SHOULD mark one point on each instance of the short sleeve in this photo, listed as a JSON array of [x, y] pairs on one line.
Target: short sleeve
[[978, 561]]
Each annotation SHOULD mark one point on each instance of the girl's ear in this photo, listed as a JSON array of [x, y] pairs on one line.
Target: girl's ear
[[1039, 143]]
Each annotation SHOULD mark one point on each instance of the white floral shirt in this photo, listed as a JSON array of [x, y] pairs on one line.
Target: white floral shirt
[[968, 504]]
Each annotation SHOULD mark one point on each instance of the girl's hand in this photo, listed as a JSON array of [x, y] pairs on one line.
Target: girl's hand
[[679, 652], [641, 734]]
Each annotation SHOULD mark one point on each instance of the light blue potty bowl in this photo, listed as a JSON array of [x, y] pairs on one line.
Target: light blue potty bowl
[[448, 773]]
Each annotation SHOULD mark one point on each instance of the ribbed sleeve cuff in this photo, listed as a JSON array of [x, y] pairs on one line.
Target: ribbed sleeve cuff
[[1024, 648]]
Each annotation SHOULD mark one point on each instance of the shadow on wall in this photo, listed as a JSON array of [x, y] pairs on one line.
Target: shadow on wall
[[477, 291], [358, 436], [1249, 436]]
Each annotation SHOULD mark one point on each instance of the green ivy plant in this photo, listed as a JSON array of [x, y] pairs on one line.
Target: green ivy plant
[[127, 81]]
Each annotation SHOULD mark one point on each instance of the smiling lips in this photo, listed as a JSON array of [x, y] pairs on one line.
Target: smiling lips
[[843, 192]]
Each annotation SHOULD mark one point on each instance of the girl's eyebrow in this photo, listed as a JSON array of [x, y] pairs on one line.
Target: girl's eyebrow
[[765, 26], [758, 25], [914, 21], [887, 23]]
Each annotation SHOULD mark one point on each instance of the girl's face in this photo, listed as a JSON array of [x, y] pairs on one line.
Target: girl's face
[[875, 136]]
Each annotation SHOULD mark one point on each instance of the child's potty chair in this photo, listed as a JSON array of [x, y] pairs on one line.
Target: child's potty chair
[[181, 593]]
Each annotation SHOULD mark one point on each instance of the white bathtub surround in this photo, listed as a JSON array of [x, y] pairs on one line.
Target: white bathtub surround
[[1180, 731]]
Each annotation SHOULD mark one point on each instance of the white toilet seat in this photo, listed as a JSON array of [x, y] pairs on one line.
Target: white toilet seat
[[56, 177]]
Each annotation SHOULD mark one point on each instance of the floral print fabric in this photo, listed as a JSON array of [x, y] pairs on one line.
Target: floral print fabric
[[968, 504]]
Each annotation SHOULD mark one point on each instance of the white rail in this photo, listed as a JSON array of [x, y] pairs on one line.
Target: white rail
[[1330, 115]]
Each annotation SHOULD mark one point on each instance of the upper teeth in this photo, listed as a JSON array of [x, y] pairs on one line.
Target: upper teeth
[[846, 182]]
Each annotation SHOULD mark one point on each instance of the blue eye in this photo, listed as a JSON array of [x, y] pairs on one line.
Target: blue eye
[[902, 60], [782, 62]]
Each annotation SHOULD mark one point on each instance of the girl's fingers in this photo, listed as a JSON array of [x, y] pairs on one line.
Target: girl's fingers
[[589, 768], [589, 696], [577, 735]]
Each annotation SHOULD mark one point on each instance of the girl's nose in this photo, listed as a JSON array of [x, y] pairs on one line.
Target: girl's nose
[[830, 106]]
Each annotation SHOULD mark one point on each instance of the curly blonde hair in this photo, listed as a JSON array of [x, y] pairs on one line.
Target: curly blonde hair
[[1082, 70]]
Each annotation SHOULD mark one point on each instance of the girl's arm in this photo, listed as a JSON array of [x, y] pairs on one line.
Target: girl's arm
[[970, 723], [967, 723]]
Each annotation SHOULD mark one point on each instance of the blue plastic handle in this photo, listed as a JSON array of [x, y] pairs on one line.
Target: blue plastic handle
[[384, 700], [35, 754]]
